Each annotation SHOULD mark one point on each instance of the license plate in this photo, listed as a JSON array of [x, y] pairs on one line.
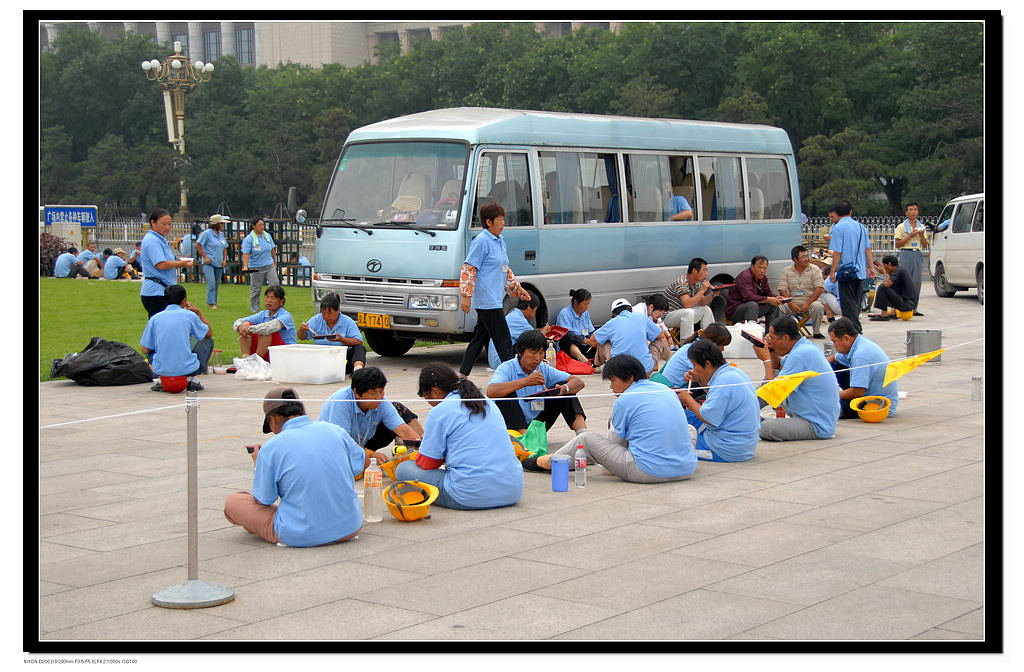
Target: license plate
[[373, 321]]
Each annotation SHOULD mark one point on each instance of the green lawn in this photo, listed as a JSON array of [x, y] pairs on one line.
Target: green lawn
[[73, 311]]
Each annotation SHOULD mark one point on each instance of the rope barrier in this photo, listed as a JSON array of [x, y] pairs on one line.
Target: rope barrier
[[594, 395]]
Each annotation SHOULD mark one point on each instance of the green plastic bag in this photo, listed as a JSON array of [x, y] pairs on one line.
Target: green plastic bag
[[535, 439]]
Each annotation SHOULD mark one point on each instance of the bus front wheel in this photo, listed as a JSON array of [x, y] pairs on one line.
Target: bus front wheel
[[386, 344]]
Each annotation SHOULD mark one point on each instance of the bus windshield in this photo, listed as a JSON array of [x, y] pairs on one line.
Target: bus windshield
[[398, 184]]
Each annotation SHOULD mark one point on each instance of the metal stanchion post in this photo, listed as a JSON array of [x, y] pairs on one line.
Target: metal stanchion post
[[194, 593]]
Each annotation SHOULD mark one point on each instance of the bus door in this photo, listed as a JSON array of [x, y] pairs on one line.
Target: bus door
[[503, 176]]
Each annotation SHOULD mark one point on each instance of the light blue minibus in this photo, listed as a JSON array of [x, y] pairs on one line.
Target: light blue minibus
[[586, 201]]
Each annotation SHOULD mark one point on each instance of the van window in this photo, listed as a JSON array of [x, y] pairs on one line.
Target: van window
[[579, 187], [979, 218], [504, 177], [721, 188], [770, 195], [964, 216]]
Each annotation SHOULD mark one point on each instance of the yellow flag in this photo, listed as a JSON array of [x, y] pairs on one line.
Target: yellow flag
[[898, 368], [775, 391]]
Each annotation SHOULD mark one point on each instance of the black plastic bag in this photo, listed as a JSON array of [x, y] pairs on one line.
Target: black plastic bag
[[103, 362]]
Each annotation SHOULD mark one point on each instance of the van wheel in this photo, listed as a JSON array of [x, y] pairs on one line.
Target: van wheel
[[386, 344], [942, 286], [981, 285]]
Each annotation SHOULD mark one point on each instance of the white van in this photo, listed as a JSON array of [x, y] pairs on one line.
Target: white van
[[958, 247]]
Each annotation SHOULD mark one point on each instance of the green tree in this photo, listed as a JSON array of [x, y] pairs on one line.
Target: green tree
[[57, 170], [644, 97]]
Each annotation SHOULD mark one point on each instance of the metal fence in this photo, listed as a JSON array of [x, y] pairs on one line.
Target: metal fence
[[880, 230]]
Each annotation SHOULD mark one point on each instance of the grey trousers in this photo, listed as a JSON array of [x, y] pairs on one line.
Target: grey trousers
[[817, 312], [613, 454], [259, 277], [792, 428], [913, 261]]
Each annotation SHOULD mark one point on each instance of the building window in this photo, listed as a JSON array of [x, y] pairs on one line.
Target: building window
[[244, 46], [183, 38], [211, 46]]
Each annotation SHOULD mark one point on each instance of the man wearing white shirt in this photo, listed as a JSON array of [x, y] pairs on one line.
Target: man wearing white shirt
[[912, 240]]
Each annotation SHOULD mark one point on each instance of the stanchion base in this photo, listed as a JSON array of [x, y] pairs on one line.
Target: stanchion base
[[193, 594]]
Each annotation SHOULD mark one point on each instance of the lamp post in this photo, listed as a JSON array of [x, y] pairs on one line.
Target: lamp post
[[178, 75]]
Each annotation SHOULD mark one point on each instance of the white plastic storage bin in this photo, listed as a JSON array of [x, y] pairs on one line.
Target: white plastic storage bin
[[739, 347], [314, 364]]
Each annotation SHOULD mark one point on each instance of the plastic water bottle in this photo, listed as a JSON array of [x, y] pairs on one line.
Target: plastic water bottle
[[581, 466], [549, 356], [373, 479]]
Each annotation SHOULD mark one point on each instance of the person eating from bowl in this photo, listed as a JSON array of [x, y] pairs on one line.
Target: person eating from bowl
[[273, 326], [466, 433], [527, 374], [368, 416]]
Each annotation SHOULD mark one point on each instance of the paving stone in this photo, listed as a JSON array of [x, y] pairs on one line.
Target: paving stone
[[346, 619], [642, 582], [864, 512], [728, 516], [871, 612], [956, 485], [467, 587], [608, 548], [822, 489], [967, 565], [62, 523], [536, 617], [593, 518], [765, 544], [698, 614], [972, 623], [152, 623]]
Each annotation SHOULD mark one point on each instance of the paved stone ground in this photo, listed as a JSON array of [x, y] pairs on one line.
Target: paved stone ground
[[876, 534]]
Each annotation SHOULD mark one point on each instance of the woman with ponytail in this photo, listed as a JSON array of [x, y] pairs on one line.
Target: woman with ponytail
[[576, 318], [465, 432], [677, 372]]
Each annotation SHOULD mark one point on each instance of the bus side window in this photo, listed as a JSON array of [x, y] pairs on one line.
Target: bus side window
[[504, 178], [769, 191], [722, 188]]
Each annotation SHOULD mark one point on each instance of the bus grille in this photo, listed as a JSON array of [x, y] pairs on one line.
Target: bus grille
[[374, 299]]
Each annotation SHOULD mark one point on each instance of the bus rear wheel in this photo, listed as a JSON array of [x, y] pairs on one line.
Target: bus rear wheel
[[387, 344]]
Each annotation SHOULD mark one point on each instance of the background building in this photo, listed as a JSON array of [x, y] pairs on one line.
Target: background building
[[308, 42]]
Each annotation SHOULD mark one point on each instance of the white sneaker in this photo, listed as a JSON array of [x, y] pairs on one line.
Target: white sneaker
[[693, 434]]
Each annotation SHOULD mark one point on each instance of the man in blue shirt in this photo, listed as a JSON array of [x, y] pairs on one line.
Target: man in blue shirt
[[860, 366], [159, 267], [116, 266], [528, 374], [727, 422], [91, 262], [628, 334], [168, 335], [813, 407], [311, 466], [850, 245], [258, 256], [677, 208], [370, 419], [68, 266]]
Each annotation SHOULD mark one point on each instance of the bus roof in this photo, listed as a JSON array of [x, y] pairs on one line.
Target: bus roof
[[482, 125]]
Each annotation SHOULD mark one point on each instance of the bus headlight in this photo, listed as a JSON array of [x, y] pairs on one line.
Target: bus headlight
[[433, 302], [319, 294]]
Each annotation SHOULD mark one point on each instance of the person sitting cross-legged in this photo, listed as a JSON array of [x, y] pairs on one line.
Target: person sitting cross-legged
[[273, 326], [518, 321], [528, 374], [167, 339], [465, 433], [813, 407], [860, 366], [311, 466], [648, 441], [368, 416], [727, 422]]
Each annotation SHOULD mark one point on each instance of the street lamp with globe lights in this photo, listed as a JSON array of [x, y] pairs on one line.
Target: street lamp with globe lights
[[178, 75]]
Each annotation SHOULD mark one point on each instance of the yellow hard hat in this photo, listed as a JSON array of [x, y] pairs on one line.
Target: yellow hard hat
[[904, 314], [409, 500], [871, 409]]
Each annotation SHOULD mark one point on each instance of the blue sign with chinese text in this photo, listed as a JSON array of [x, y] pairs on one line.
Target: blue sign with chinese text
[[83, 215]]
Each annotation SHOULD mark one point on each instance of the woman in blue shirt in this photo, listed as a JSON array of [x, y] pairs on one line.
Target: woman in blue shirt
[[212, 248], [648, 441], [728, 421], [576, 318], [331, 327], [674, 373], [273, 326], [259, 257], [466, 433], [485, 279]]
